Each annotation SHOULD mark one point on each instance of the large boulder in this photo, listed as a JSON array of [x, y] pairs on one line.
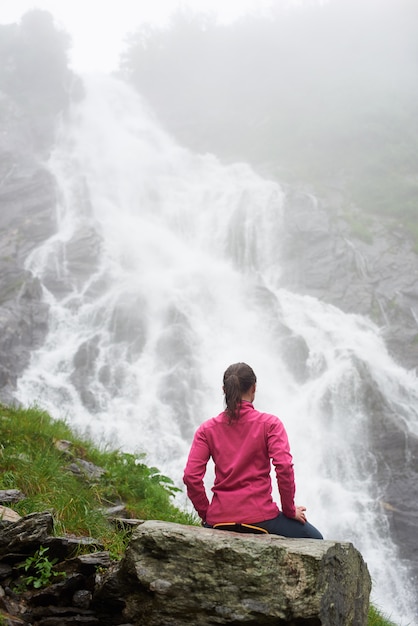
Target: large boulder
[[174, 575]]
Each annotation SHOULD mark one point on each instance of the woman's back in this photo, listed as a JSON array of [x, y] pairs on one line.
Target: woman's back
[[243, 444], [242, 452]]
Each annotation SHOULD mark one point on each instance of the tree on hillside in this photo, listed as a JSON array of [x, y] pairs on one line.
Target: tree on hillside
[[41, 53], [34, 70]]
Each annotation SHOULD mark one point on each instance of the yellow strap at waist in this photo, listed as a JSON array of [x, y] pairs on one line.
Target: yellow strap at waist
[[240, 528]]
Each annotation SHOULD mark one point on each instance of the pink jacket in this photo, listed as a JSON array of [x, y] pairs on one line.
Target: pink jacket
[[242, 453]]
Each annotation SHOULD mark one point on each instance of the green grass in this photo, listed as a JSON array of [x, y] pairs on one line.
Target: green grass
[[31, 462], [376, 618]]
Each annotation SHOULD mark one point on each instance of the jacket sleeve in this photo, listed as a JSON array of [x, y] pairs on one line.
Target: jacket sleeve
[[195, 471], [279, 452]]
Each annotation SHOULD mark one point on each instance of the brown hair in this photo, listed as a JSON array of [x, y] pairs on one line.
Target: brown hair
[[238, 379]]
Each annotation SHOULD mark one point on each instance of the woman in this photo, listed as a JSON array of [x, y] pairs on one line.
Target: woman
[[242, 443]]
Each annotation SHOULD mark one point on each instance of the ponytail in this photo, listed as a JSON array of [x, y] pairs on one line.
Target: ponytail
[[238, 379]]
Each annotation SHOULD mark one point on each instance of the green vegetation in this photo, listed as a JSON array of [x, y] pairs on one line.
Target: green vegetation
[[40, 569], [33, 461], [359, 225], [376, 618]]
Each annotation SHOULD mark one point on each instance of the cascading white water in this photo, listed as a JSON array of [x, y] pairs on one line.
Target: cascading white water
[[165, 268]]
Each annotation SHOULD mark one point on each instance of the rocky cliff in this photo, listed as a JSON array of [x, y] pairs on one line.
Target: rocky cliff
[[36, 89], [27, 197], [372, 273]]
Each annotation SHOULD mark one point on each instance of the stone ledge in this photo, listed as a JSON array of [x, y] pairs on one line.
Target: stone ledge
[[175, 575]]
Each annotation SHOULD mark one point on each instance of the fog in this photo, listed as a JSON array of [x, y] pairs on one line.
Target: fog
[[98, 29], [319, 93]]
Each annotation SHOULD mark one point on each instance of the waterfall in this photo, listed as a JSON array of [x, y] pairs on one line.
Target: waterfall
[[164, 269]]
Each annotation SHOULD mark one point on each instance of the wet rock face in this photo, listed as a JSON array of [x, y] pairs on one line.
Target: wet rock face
[[376, 276], [27, 217]]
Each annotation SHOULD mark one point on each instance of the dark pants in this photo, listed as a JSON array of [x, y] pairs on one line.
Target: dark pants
[[280, 525], [287, 527]]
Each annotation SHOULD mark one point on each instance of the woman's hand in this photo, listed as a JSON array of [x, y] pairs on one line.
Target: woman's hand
[[300, 514]]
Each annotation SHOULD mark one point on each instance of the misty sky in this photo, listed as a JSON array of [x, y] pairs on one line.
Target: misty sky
[[98, 28]]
